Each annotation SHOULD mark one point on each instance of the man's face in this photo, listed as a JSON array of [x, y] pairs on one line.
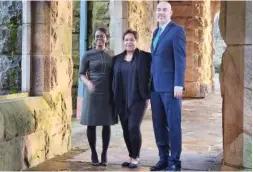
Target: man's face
[[163, 12]]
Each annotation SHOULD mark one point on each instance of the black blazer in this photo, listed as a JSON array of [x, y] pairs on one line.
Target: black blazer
[[140, 77]]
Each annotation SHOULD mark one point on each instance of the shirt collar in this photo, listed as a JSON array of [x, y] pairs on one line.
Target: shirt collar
[[164, 26]]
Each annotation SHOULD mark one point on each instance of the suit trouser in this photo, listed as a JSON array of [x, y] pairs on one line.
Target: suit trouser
[[166, 115], [131, 123]]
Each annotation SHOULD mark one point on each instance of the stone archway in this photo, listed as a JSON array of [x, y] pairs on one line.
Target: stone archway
[[235, 76]]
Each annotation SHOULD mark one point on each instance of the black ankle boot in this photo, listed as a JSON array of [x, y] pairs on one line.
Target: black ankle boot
[[103, 159], [94, 159]]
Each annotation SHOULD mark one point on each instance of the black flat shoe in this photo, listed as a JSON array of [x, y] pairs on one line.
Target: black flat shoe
[[103, 164], [132, 165], [125, 164], [103, 160], [94, 159], [95, 163]]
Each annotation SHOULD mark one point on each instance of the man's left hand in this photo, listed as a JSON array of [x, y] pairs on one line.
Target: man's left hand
[[178, 92]]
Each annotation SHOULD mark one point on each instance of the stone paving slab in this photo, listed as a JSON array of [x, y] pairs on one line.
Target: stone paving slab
[[190, 160], [201, 137]]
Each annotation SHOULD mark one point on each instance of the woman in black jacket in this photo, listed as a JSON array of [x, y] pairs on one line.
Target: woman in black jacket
[[131, 78]]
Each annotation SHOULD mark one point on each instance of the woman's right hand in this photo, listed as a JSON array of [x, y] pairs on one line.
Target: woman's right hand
[[90, 87]]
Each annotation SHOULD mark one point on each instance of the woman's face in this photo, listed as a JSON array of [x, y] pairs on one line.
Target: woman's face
[[130, 42], [100, 38]]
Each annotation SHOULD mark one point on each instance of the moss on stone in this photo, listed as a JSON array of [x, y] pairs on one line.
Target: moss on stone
[[12, 78], [13, 35]]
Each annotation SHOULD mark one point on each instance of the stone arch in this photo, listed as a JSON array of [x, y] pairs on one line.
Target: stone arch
[[235, 75]]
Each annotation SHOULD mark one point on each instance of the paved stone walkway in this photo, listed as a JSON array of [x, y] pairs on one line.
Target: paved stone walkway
[[202, 141]]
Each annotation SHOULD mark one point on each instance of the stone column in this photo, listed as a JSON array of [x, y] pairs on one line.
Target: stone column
[[40, 63], [141, 18], [195, 17], [236, 88], [26, 46], [118, 24]]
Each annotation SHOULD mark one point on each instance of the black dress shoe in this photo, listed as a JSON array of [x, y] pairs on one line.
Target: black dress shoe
[[159, 167], [173, 168], [94, 159], [133, 165], [125, 164]]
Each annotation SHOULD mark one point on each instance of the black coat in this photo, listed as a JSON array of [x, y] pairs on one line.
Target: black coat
[[139, 88]]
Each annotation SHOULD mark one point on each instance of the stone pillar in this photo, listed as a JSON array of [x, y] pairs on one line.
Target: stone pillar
[[236, 88], [40, 47], [118, 24], [195, 17], [52, 67], [142, 19], [26, 46]]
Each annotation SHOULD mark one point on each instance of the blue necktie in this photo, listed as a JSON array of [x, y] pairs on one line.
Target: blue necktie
[[157, 38]]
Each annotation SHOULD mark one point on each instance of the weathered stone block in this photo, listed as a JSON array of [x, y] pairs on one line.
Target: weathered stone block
[[41, 12], [192, 60], [192, 89], [247, 151], [248, 66], [4, 39], [182, 10], [11, 155], [10, 10], [193, 74], [248, 22], [35, 148], [233, 151], [41, 40], [59, 139], [180, 21], [247, 111], [236, 18], [17, 122], [195, 22], [1, 127]]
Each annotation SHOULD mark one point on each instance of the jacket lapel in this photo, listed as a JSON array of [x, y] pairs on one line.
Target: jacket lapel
[[166, 30]]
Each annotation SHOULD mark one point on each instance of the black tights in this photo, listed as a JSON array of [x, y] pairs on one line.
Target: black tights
[[131, 124], [91, 134]]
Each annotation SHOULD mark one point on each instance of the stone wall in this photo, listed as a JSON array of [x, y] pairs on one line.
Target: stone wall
[[141, 19], [38, 128], [236, 87], [10, 46]]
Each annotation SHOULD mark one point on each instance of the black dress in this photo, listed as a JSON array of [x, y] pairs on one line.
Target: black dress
[[98, 106]]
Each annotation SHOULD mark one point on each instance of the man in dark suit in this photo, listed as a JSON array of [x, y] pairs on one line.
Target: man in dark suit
[[168, 51]]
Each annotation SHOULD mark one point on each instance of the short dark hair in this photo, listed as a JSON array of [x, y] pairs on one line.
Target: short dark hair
[[104, 30], [131, 31]]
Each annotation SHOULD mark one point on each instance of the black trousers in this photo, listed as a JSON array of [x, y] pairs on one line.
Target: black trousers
[[131, 122]]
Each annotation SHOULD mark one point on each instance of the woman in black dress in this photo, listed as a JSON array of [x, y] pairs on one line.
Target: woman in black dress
[[131, 80], [96, 74]]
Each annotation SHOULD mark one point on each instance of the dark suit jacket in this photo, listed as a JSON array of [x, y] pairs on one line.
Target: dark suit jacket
[[140, 77], [169, 59]]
